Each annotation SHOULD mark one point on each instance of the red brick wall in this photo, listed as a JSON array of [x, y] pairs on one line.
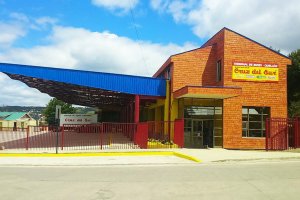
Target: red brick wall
[[198, 67], [273, 95], [189, 68], [217, 41]]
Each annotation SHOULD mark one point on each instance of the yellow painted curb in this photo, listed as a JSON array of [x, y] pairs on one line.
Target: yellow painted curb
[[140, 153], [191, 158]]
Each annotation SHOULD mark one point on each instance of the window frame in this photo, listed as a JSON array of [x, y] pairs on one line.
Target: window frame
[[247, 130]]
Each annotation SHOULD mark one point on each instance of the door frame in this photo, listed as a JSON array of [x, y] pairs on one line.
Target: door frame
[[192, 133]]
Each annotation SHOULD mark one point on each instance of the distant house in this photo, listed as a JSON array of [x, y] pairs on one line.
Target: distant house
[[16, 120]]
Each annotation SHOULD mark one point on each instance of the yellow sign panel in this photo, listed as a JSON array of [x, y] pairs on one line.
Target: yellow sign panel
[[244, 71]]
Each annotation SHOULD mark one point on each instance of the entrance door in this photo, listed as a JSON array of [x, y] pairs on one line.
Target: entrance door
[[208, 126], [15, 126], [197, 134], [200, 135]]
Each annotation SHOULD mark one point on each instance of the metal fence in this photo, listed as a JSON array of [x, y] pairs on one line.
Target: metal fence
[[160, 134], [32, 137], [92, 137], [282, 133]]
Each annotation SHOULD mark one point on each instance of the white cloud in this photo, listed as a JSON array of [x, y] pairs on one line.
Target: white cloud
[[79, 48], [159, 5], [9, 33], [46, 20], [99, 51], [20, 17], [272, 22], [12, 29], [18, 25], [43, 22], [17, 93], [116, 5]]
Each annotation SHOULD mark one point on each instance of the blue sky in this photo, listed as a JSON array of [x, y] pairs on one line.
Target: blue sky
[[128, 36], [157, 27]]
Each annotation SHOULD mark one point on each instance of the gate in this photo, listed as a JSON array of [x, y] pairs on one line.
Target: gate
[[282, 133]]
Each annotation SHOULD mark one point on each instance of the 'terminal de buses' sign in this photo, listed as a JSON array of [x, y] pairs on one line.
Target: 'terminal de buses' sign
[[78, 119], [246, 71]]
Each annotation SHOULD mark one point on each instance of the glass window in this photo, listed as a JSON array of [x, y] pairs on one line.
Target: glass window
[[253, 124]]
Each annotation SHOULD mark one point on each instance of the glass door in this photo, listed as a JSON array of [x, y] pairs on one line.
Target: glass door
[[203, 122], [197, 133], [208, 133], [188, 133]]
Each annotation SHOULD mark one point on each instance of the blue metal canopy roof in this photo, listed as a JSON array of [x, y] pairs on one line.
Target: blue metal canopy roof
[[128, 84], [86, 88]]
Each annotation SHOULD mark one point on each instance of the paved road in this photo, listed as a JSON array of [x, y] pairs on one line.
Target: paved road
[[202, 181]]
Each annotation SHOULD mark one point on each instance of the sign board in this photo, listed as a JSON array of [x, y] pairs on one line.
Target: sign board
[[246, 71], [78, 119]]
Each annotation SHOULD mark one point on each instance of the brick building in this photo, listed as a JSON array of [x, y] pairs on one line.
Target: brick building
[[225, 90]]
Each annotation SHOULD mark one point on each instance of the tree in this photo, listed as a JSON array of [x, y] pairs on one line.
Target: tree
[[293, 77], [49, 111]]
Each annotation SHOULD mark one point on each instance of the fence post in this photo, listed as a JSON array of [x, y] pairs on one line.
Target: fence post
[[135, 134], [296, 133], [56, 145], [270, 139], [286, 135], [267, 133], [101, 135], [62, 137], [27, 137]]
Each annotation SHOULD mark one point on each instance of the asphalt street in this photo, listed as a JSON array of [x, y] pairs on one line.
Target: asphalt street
[[240, 180]]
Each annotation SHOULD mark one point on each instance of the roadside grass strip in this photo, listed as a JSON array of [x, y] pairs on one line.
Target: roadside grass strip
[[99, 154]]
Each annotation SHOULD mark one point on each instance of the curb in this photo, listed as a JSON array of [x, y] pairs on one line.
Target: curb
[[187, 157], [99, 154]]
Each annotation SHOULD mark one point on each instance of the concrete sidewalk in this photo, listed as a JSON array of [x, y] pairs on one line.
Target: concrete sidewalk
[[207, 156], [216, 155]]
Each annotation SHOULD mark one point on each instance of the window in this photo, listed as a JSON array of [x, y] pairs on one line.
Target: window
[[168, 73], [219, 71], [254, 119]]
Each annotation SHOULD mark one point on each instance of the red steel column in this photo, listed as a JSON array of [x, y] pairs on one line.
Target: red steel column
[[137, 109]]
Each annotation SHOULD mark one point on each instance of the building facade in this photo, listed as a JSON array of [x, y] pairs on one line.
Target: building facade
[[15, 120], [224, 90]]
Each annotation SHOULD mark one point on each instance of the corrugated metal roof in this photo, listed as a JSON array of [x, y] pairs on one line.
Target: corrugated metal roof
[[113, 82], [11, 116], [4, 114]]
